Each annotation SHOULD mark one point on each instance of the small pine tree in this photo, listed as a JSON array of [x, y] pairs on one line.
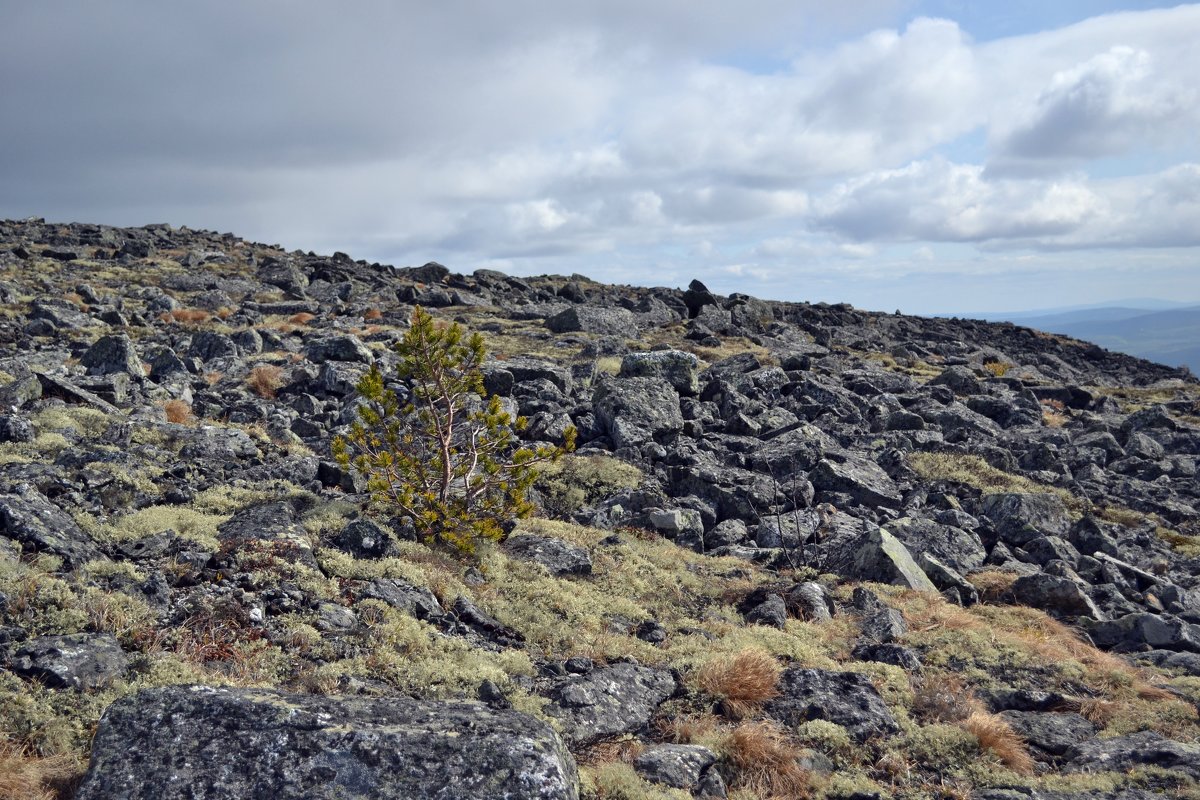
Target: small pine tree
[[448, 459]]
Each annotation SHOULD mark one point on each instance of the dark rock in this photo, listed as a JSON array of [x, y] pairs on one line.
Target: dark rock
[[844, 698], [809, 601], [1145, 631], [633, 411], [1020, 518], [651, 631], [81, 661], [1051, 735], [556, 555], [771, 612], [861, 478], [878, 556], [415, 601], [895, 654], [490, 628], [676, 367], [1061, 597], [16, 429], [676, 765], [1123, 753], [609, 701], [230, 744], [363, 538], [960, 380], [112, 354], [207, 345], [32, 520], [883, 626], [592, 319], [961, 550], [338, 348]]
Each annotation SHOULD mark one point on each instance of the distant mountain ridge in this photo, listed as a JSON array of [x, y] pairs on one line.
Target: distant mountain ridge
[[1169, 334]]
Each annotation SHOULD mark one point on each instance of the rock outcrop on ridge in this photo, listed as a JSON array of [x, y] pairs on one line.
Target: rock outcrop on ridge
[[801, 550]]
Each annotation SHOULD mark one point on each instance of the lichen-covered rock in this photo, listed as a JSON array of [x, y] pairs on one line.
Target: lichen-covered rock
[[83, 661], [633, 411], [338, 348], [878, 556], [844, 698], [676, 765], [1146, 631], [1050, 734], [676, 367], [609, 701], [590, 319], [557, 556], [1123, 753], [1021, 518], [860, 478], [112, 354], [231, 744], [1060, 597], [35, 522]]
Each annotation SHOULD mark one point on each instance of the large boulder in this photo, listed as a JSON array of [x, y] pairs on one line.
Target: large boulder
[[633, 411], [1146, 631], [880, 557], [1020, 517], [338, 348], [676, 367], [1058, 596], [229, 744], [594, 319], [557, 556], [864, 480], [1123, 753], [609, 701]]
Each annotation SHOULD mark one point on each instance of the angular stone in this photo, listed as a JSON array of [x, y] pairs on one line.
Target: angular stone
[[1051, 735], [593, 319], [207, 345], [82, 661], [1020, 518], [364, 538], [32, 520], [609, 701], [676, 367], [339, 348], [181, 743], [1060, 597], [878, 556], [1145, 631], [861, 478], [415, 601], [112, 354], [633, 411]]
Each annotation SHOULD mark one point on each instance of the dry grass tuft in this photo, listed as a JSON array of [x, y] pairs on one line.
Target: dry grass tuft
[[996, 735], [303, 318], [179, 412], [688, 729], [186, 316], [992, 584], [943, 697], [27, 776], [372, 314], [265, 380], [766, 761], [743, 681]]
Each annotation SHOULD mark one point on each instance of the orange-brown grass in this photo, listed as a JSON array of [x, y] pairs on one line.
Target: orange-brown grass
[[765, 761], [372, 314], [75, 299], [178, 412], [213, 378], [687, 729], [185, 316], [926, 611], [743, 681], [943, 697], [997, 736], [27, 776], [303, 318], [992, 584], [265, 380]]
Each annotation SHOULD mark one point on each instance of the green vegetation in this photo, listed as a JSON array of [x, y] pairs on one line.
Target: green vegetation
[[573, 482], [455, 471]]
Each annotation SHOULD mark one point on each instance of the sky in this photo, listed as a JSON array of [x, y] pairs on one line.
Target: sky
[[930, 157]]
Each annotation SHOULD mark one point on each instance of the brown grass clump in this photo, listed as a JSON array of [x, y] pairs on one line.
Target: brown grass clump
[[27, 776], [992, 584], [943, 697], [186, 316], [766, 761], [743, 681], [178, 412], [372, 314], [687, 729], [997, 736], [265, 380], [997, 368], [303, 318]]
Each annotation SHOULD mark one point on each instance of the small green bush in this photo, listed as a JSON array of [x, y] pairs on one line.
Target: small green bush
[[573, 482], [448, 459]]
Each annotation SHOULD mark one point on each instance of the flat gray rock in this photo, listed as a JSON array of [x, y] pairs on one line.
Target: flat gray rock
[[183, 743], [609, 701], [557, 556], [844, 698], [83, 661]]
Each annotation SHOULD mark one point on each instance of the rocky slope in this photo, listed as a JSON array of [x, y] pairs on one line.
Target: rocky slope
[[802, 550]]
